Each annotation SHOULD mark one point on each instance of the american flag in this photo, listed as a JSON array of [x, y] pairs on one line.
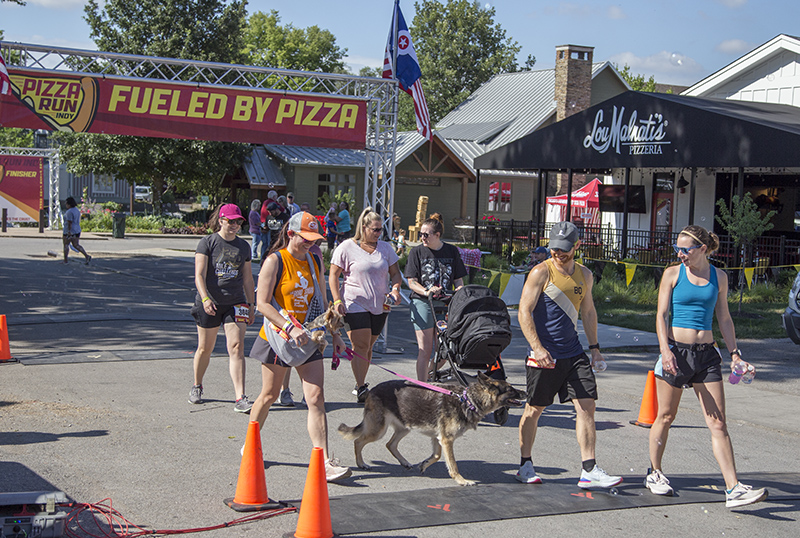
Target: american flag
[[407, 71], [5, 81]]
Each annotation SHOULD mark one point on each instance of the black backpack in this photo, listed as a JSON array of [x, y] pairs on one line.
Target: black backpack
[[478, 327]]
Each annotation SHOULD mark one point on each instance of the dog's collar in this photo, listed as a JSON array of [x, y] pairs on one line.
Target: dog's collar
[[316, 329], [464, 398]]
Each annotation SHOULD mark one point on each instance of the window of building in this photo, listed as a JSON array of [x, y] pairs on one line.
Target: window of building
[[333, 183], [102, 184], [499, 197]]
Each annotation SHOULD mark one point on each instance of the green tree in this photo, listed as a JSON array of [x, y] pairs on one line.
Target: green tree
[[11, 137], [459, 47], [208, 30], [268, 44], [744, 222], [637, 82]]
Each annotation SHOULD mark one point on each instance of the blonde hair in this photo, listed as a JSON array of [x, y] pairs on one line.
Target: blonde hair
[[701, 236], [368, 215]]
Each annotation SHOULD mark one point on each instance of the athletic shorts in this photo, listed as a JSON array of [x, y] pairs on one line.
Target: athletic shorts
[[571, 379], [421, 315], [697, 363], [262, 352], [366, 320], [67, 237], [224, 314]]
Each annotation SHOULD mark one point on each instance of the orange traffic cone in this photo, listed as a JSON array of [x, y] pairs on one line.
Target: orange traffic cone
[[649, 407], [5, 349], [251, 489], [314, 520]]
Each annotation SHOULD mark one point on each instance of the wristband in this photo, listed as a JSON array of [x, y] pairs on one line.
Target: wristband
[[337, 302], [736, 352], [205, 299], [287, 327], [595, 346]]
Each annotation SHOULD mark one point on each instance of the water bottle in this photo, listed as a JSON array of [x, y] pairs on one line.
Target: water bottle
[[738, 371], [747, 378], [599, 366]]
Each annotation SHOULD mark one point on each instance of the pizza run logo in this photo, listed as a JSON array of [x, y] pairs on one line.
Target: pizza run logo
[[66, 104]]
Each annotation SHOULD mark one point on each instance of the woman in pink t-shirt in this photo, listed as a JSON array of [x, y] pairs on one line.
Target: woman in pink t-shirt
[[367, 264]]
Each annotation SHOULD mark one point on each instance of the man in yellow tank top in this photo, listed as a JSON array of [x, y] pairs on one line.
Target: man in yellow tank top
[[555, 292]]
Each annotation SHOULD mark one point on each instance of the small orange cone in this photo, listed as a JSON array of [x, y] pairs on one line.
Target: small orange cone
[[5, 349], [251, 489], [314, 520], [649, 407]]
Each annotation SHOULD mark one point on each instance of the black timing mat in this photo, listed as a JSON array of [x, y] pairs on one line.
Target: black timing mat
[[374, 512]]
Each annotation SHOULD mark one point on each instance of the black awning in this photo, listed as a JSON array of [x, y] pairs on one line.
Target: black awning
[[655, 130]]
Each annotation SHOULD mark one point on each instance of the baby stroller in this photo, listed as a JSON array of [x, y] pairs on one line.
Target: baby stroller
[[476, 330]]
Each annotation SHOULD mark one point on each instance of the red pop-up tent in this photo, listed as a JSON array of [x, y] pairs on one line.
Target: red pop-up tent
[[585, 202]]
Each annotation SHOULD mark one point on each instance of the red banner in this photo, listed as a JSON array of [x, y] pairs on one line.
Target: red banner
[[88, 104], [21, 180]]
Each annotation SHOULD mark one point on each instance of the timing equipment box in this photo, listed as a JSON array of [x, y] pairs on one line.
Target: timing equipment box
[[32, 514]]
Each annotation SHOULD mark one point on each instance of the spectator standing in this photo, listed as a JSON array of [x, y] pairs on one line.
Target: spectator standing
[[72, 230], [688, 297], [343, 222], [367, 264], [265, 231], [291, 207], [330, 227], [225, 296], [276, 219], [254, 218], [433, 267]]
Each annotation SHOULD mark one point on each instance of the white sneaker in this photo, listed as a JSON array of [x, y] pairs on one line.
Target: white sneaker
[[334, 471], [527, 474], [286, 399], [598, 478], [657, 483], [741, 495]]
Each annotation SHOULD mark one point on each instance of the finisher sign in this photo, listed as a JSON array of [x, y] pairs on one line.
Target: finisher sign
[[21, 187], [179, 110]]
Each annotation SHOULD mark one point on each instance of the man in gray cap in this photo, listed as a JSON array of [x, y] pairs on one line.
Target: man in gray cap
[[555, 291], [291, 207]]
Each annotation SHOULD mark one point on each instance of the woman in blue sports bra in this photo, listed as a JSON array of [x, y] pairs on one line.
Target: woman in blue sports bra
[[689, 295]]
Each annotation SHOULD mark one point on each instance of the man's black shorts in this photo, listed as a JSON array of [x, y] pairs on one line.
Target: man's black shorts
[[571, 379]]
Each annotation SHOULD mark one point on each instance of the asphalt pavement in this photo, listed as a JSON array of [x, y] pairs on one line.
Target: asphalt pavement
[[97, 407]]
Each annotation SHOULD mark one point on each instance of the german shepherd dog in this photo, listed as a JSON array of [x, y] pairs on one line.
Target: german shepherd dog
[[442, 417]]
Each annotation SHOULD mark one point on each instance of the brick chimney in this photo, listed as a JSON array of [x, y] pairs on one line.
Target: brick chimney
[[573, 79]]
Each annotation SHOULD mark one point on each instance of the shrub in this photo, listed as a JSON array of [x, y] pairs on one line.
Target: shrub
[[519, 257]]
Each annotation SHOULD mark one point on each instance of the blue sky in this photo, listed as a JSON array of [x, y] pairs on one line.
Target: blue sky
[[677, 41]]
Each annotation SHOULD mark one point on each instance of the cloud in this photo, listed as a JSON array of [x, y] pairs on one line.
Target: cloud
[[666, 67], [59, 4], [355, 62], [734, 47], [732, 3], [615, 12]]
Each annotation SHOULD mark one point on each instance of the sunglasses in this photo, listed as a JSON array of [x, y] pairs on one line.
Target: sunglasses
[[237, 222], [376, 229], [685, 250], [425, 235], [559, 250]]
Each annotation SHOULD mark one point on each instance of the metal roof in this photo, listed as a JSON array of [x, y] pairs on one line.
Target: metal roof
[[522, 101], [261, 169], [295, 155]]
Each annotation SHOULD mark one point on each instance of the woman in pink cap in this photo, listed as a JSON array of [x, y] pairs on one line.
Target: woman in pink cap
[[225, 296]]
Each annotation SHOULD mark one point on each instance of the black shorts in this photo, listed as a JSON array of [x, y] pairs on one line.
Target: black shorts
[[264, 354], [225, 314], [697, 363], [571, 379], [366, 320], [68, 237]]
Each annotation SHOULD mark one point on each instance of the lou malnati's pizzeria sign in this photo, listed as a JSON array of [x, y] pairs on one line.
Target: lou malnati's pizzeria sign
[[176, 110]]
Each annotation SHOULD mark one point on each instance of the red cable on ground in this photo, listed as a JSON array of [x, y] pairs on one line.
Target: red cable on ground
[[119, 527]]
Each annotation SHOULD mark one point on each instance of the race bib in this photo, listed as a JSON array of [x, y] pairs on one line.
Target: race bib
[[241, 313]]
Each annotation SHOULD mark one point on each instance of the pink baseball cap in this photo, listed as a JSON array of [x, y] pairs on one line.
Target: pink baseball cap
[[230, 212]]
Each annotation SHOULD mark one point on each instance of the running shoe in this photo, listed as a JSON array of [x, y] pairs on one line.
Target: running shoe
[[88, 259], [361, 393], [742, 495], [657, 483], [334, 471], [598, 478], [527, 474], [242, 405], [196, 394], [286, 399]]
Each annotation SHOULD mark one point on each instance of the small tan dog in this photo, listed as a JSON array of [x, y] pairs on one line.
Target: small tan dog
[[330, 321]]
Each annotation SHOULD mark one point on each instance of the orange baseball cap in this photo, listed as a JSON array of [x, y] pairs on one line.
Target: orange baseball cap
[[306, 225]]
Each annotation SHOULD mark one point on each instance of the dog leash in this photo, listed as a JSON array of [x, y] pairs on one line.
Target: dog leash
[[350, 355]]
